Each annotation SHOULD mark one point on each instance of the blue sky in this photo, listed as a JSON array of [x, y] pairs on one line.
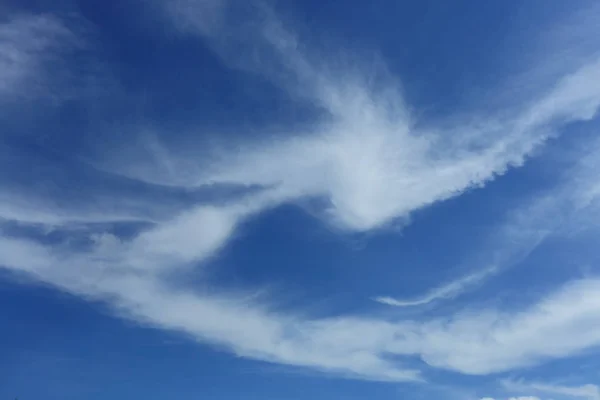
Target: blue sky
[[299, 200]]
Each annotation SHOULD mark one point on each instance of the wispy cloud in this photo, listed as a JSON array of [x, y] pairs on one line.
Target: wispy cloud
[[128, 274], [371, 165], [492, 342], [29, 46], [588, 392], [479, 342], [515, 398], [447, 291], [570, 205], [366, 157]]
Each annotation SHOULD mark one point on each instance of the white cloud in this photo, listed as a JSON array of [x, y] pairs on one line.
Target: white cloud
[[248, 329], [447, 291], [479, 342], [588, 391], [486, 342], [525, 398], [28, 44], [571, 206], [515, 398], [203, 15], [373, 166], [366, 157], [39, 212]]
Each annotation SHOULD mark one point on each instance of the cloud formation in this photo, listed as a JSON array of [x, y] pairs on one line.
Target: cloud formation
[[370, 165], [447, 291], [366, 157], [588, 392], [515, 398], [29, 46], [128, 274]]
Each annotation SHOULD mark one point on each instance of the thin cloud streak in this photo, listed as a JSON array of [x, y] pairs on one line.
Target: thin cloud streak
[[587, 391], [524, 398], [514, 398], [444, 292]]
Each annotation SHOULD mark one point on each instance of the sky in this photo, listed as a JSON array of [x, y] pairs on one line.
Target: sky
[[289, 200]]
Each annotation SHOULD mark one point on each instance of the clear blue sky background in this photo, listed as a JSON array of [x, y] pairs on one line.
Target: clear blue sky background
[[299, 200]]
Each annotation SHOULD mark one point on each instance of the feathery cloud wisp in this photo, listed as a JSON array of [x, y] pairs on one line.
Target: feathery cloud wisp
[[447, 291], [372, 165], [28, 44], [365, 155], [588, 392]]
